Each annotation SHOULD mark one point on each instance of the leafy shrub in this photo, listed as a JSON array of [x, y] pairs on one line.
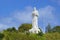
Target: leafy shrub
[[1, 36], [24, 27], [22, 36], [52, 36]]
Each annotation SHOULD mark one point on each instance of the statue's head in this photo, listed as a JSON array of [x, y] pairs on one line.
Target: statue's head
[[35, 12], [34, 8]]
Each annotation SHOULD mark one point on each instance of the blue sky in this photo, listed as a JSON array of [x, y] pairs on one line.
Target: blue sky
[[15, 12]]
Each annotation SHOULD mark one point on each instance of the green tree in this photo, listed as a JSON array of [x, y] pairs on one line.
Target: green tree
[[48, 29], [56, 29], [24, 27], [11, 29]]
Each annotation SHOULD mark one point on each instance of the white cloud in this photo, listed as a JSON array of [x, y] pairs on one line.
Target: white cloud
[[46, 15], [3, 26], [24, 16], [6, 20], [56, 1]]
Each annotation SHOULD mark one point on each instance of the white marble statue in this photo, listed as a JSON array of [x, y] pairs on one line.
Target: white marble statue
[[34, 28]]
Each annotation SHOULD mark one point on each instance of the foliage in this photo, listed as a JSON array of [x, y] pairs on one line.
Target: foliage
[[1, 36], [11, 29], [52, 36], [48, 29], [21, 36], [40, 33], [56, 29], [11, 34], [24, 27]]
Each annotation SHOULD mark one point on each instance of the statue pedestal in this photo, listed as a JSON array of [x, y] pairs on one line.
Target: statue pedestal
[[34, 30]]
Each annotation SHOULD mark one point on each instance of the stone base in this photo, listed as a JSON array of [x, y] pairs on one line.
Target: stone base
[[34, 30]]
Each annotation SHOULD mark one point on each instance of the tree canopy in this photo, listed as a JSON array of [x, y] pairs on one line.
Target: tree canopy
[[11, 34], [56, 29], [11, 29], [48, 28], [24, 27]]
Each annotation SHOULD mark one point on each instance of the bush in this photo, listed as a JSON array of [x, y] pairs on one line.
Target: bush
[[22, 36], [1, 36], [24, 27], [40, 34], [52, 36]]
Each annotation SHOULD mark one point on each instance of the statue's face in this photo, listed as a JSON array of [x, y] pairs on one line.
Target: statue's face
[[35, 12]]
